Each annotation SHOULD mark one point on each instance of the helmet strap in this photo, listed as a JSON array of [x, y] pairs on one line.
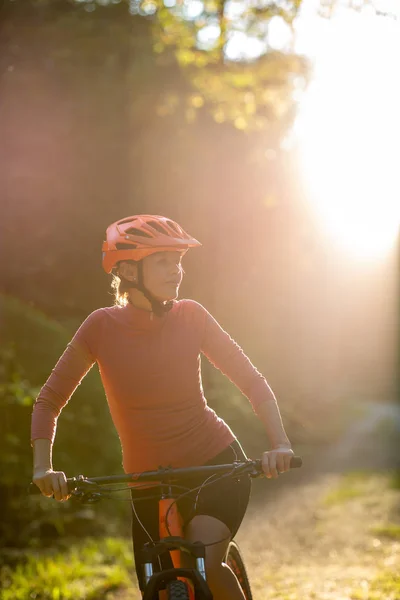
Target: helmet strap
[[157, 307]]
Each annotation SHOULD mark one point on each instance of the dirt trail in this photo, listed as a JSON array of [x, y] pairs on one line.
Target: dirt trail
[[298, 546]]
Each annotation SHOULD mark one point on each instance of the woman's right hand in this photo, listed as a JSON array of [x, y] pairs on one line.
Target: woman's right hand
[[52, 483]]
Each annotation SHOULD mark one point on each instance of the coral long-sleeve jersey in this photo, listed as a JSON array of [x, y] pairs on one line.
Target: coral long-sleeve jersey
[[151, 372]]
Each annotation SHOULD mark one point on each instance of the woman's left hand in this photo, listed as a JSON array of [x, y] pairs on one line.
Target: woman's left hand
[[276, 461]]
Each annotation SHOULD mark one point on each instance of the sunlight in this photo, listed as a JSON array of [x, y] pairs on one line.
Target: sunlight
[[208, 36], [279, 34], [192, 9], [243, 47], [348, 130]]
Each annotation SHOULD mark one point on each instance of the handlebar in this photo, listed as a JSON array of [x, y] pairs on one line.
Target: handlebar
[[167, 474]]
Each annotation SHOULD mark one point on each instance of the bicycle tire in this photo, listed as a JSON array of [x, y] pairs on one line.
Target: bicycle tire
[[177, 590], [235, 561]]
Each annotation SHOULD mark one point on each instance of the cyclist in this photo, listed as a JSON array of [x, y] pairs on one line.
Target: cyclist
[[148, 348]]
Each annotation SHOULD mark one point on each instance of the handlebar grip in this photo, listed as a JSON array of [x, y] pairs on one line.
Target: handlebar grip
[[33, 489], [295, 463]]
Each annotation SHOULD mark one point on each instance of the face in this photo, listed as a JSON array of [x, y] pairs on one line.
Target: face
[[163, 274]]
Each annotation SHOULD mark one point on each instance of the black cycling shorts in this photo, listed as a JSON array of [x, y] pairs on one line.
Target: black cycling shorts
[[225, 500]]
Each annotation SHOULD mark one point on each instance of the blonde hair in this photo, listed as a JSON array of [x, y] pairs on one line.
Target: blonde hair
[[120, 290]]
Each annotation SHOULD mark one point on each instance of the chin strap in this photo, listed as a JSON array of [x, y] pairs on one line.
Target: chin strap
[[157, 307]]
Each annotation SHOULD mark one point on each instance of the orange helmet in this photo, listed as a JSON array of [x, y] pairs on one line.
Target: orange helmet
[[135, 237]]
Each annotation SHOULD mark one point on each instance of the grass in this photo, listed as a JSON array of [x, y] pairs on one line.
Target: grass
[[337, 538], [296, 548], [87, 571], [395, 480], [352, 485], [390, 530], [384, 587]]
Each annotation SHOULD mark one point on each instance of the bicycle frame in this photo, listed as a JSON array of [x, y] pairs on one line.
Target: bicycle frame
[[171, 538], [88, 490]]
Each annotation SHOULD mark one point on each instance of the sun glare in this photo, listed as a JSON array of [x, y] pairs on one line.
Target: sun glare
[[348, 130]]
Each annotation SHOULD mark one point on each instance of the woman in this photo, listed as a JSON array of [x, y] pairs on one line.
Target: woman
[[148, 348]]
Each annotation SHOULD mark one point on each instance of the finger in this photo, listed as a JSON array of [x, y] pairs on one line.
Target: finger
[[46, 487], [56, 489], [41, 487], [280, 463], [40, 482], [287, 458], [265, 465], [283, 461], [272, 465], [63, 486]]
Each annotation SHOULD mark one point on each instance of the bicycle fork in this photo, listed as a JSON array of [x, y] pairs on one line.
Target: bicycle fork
[[174, 527], [171, 539], [195, 579]]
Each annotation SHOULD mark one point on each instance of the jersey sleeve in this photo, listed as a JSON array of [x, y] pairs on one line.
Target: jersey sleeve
[[71, 368], [227, 356]]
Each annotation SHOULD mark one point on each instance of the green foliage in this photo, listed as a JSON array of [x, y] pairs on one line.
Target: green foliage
[[16, 400], [251, 87], [37, 340], [384, 587], [395, 483], [251, 92], [199, 38], [37, 343], [390, 530], [84, 572], [86, 441]]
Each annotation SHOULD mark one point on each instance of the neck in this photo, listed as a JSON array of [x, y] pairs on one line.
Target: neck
[[138, 300]]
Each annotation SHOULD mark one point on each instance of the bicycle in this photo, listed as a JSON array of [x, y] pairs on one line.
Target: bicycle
[[180, 583]]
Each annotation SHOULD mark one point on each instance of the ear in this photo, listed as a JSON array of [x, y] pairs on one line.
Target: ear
[[128, 270]]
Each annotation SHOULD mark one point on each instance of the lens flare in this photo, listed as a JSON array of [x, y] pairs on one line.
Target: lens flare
[[348, 133]]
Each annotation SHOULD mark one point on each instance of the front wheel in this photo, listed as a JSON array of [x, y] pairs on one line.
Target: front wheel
[[235, 561], [177, 590]]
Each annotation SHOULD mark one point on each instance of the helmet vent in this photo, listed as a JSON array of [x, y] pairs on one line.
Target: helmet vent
[[157, 226], [131, 246], [134, 231], [174, 227]]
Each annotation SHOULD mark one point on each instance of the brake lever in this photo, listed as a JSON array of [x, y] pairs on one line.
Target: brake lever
[[86, 497], [86, 492]]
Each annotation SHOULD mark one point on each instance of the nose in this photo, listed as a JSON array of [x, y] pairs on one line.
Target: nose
[[175, 272], [174, 267]]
